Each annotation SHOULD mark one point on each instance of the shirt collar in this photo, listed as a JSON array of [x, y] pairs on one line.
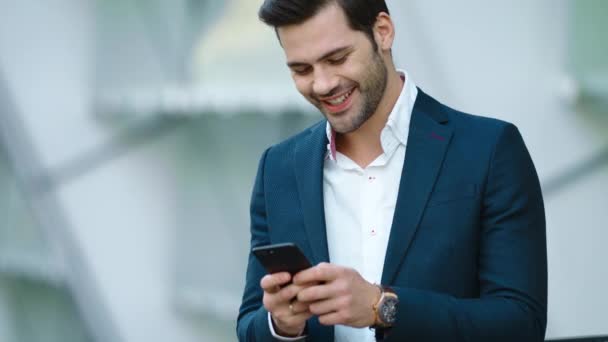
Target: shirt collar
[[397, 125]]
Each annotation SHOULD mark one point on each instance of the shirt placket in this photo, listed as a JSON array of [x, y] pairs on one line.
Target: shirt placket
[[370, 228]]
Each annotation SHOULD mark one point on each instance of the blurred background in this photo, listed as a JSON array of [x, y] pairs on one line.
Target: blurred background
[[131, 131]]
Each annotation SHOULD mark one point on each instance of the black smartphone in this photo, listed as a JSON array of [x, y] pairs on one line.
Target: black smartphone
[[282, 257]]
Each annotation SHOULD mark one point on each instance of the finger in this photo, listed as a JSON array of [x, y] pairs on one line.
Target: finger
[[282, 298], [288, 293], [298, 307], [332, 318], [317, 293], [323, 272], [274, 301], [284, 313], [326, 306], [272, 282]]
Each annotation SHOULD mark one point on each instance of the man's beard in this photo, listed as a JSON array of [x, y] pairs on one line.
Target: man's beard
[[372, 89]]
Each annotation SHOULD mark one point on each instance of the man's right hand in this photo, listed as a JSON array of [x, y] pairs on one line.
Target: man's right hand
[[289, 316]]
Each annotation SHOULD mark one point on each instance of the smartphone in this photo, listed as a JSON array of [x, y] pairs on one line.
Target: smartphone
[[282, 257]]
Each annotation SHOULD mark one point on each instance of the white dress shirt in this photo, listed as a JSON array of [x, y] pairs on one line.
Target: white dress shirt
[[360, 203]]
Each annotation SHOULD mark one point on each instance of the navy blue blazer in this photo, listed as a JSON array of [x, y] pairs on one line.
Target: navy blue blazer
[[467, 250]]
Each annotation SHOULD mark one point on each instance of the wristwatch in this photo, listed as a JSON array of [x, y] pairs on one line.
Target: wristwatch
[[386, 309]]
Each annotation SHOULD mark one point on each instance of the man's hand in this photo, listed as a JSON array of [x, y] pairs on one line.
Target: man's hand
[[288, 314], [342, 296]]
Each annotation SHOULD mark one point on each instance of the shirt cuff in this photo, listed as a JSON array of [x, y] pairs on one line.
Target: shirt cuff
[[279, 337]]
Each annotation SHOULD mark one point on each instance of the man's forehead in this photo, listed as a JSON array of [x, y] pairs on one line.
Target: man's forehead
[[311, 50], [326, 31]]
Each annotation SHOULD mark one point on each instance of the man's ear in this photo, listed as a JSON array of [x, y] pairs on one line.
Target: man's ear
[[384, 31]]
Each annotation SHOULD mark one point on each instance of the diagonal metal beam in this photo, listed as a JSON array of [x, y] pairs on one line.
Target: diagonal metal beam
[[137, 133]]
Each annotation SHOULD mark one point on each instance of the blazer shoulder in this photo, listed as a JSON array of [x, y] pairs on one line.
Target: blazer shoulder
[[287, 146], [279, 158], [459, 121], [473, 121], [476, 127]]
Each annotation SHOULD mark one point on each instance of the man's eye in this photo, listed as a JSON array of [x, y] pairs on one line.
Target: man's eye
[[301, 71], [337, 61]]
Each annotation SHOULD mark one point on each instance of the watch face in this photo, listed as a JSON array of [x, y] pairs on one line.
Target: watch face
[[388, 310]]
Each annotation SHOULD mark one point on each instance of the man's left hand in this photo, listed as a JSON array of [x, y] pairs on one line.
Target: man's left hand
[[342, 296]]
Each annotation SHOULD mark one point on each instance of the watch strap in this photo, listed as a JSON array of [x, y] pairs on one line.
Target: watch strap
[[385, 292]]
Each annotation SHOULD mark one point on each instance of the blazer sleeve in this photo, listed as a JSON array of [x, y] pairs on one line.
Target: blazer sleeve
[[512, 302], [252, 321]]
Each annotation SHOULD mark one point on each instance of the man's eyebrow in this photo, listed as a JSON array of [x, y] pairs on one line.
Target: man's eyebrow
[[326, 55]]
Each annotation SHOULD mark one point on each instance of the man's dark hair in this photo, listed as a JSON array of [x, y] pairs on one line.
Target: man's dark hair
[[361, 14]]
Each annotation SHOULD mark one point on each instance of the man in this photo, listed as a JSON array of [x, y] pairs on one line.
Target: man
[[423, 223]]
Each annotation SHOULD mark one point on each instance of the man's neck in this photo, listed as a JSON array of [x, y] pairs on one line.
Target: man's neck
[[363, 145]]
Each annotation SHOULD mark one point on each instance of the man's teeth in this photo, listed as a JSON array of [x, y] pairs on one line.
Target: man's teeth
[[340, 99]]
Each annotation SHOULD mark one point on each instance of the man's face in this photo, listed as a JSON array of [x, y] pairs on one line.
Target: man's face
[[335, 68]]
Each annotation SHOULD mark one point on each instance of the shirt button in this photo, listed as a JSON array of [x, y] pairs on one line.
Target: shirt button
[[373, 232]]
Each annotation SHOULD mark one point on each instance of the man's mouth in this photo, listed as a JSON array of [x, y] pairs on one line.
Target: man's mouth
[[338, 103]]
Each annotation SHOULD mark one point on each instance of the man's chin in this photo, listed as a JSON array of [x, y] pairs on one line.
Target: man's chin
[[343, 122], [342, 128]]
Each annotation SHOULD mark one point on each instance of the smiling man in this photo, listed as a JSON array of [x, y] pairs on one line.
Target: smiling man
[[423, 223]]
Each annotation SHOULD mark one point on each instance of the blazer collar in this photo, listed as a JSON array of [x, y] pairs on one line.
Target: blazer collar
[[309, 159], [426, 148]]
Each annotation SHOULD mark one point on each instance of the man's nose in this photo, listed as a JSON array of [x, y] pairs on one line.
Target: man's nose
[[324, 83]]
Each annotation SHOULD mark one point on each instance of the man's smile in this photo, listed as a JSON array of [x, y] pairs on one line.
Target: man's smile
[[338, 103]]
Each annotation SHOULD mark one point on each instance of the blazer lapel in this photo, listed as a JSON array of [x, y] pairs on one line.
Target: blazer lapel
[[427, 144], [309, 158]]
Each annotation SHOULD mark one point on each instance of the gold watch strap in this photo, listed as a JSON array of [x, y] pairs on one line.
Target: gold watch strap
[[375, 306]]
